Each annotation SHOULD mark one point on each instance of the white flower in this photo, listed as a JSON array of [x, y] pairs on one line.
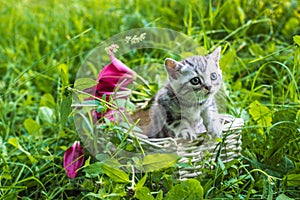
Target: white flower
[[127, 39], [143, 36], [135, 39], [112, 48]]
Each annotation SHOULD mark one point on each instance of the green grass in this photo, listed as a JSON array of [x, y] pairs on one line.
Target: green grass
[[43, 44]]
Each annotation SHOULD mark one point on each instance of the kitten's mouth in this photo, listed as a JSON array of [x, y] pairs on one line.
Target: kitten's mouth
[[207, 92]]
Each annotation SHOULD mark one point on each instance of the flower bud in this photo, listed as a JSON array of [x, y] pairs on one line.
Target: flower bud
[[73, 159]]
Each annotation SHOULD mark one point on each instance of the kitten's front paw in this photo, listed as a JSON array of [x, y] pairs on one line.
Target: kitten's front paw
[[215, 131], [187, 134]]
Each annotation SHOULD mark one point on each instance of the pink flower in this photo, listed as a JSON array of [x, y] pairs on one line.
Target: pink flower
[[112, 76], [73, 159]]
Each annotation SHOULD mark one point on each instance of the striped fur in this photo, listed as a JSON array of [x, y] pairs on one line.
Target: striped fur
[[185, 106]]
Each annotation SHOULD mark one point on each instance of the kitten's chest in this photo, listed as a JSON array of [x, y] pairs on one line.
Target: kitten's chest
[[192, 113], [193, 116]]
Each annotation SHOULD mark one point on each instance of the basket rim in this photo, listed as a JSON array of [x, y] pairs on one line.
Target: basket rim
[[229, 123]]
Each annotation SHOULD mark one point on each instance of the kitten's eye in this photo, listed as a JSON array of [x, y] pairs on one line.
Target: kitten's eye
[[213, 76], [195, 81]]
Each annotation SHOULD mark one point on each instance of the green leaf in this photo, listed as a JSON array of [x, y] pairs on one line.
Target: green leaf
[[63, 70], [284, 197], [256, 50], [32, 127], [93, 170], [141, 183], [290, 26], [293, 91], [159, 195], [6, 176], [88, 184], [15, 143], [297, 39], [261, 114], [87, 162], [65, 110], [114, 163], [285, 164], [46, 115], [102, 157], [154, 162], [298, 116], [143, 193], [84, 83], [293, 180], [189, 190], [115, 174], [241, 14], [47, 100], [222, 166]]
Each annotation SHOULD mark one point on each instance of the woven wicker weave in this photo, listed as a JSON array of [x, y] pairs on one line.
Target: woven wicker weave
[[193, 154], [197, 152]]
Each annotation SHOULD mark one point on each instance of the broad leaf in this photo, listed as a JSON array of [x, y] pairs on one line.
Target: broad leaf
[[293, 180], [84, 83], [143, 193], [188, 190], [284, 197], [159, 195], [115, 174], [297, 39], [112, 162], [46, 115], [93, 170], [141, 183], [32, 127], [261, 114], [154, 162], [47, 100], [65, 109]]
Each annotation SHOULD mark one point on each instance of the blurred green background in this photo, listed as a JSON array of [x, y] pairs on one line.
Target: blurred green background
[[43, 44]]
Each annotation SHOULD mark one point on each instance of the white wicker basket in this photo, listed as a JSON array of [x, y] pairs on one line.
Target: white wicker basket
[[193, 154], [197, 152]]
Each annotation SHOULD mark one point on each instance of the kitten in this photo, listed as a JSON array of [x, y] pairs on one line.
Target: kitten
[[186, 106]]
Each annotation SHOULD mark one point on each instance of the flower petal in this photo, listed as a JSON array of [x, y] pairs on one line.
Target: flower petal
[[115, 72], [121, 66], [112, 76], [73, 159]]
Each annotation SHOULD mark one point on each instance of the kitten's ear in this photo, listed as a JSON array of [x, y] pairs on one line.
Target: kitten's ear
[[216, 54], [172, 67]]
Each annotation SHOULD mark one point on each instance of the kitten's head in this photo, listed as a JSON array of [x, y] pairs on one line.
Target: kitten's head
[[195, 78]]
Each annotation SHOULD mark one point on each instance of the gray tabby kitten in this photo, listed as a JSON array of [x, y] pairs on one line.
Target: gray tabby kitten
[[186, 106]]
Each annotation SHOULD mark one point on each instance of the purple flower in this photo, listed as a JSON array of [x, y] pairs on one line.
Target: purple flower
[[73, 159], [112, 76]]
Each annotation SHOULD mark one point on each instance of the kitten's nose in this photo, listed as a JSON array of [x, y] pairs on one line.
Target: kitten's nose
[[207, 87]]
